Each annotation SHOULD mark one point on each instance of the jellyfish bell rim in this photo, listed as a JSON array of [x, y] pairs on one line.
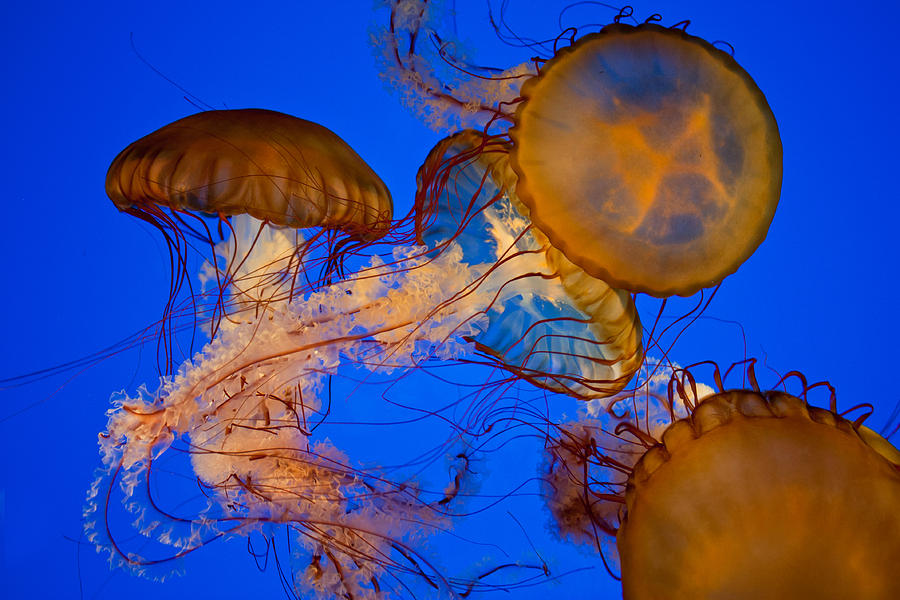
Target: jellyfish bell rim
[[586, 261], [722, 408]]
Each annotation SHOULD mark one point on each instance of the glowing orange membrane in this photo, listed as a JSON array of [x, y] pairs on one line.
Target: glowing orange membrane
[[649, 157], [763, 496], [272, 166]]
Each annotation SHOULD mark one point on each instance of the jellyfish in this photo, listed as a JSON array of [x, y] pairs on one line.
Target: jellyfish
[[647, 156], [547, 321], [736, 493], [284, 172], [275, 167]]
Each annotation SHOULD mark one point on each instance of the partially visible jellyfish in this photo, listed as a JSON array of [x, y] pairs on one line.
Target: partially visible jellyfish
[[647, 156], [741, 494], [548, 321], [433, 75]]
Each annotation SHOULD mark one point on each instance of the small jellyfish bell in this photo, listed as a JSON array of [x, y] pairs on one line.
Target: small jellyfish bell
[[744, 494], [547, 320]]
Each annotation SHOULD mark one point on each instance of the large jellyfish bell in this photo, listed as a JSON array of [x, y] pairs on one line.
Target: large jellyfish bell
[[649, 157], [774, 498], [737, 493]]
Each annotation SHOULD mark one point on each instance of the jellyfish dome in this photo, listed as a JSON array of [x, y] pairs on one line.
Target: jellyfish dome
[[272, 166], [761, 495], [649, 158]]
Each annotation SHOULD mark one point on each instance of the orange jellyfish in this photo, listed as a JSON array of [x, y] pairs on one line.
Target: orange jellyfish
[[275, 167], [647, 156], [282, 171], [749, 494]]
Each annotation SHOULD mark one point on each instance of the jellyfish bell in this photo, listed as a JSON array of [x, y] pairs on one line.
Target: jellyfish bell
[[649, 157], [547, 320], [275, 167], [763, 495]]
